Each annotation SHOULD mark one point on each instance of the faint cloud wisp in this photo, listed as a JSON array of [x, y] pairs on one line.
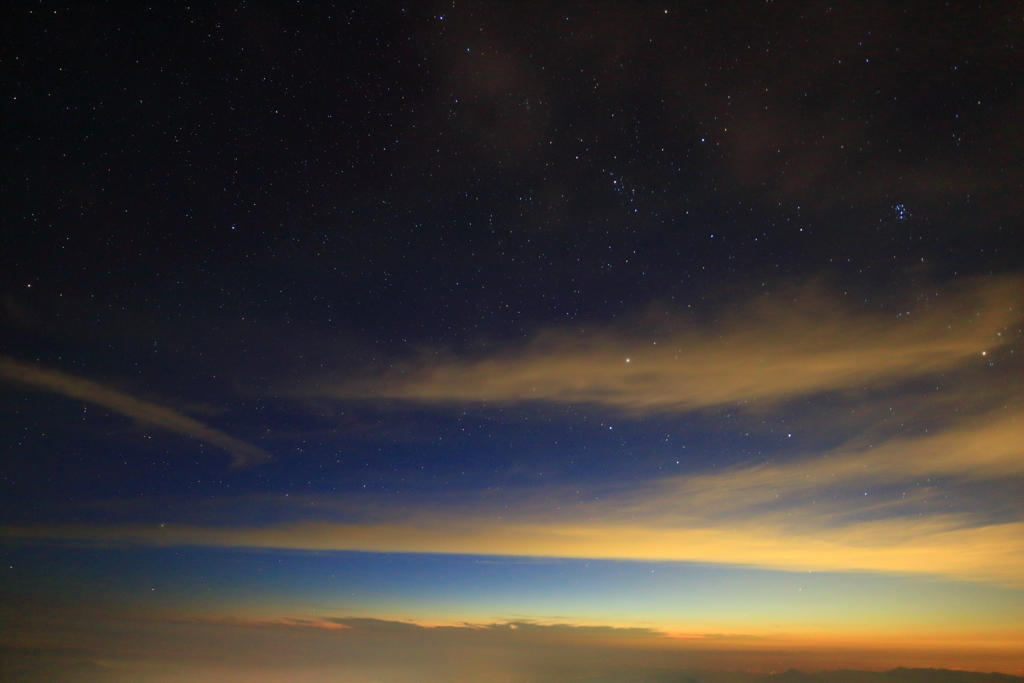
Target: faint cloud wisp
[[241, 452], [771, 352]]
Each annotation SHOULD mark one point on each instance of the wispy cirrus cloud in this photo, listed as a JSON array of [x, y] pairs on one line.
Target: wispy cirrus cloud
[[146, 412], [772, 350], [988, 449]]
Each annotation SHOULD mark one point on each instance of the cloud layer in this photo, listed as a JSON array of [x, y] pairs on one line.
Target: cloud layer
[[113, 648], [933, 546], [807, 515], [810, 512]]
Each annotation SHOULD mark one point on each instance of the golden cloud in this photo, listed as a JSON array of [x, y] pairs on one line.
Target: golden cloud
[[983, 450], [242, 453], [773, 350]]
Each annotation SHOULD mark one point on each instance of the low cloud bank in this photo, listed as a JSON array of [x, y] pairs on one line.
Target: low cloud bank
[[105, 648]]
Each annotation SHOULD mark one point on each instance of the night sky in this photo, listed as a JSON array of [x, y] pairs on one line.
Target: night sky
[[488, 341]]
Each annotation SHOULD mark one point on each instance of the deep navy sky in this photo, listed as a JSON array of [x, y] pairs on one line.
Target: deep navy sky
[[206, 207]]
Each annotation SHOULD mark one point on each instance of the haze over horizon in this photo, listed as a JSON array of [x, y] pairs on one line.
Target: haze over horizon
[[485, 341]]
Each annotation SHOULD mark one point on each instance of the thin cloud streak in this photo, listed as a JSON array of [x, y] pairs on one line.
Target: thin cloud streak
[[775, 350], [985, 450], [242, 453]]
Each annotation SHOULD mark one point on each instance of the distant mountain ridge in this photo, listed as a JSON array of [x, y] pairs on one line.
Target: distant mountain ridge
[[899, 675]]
